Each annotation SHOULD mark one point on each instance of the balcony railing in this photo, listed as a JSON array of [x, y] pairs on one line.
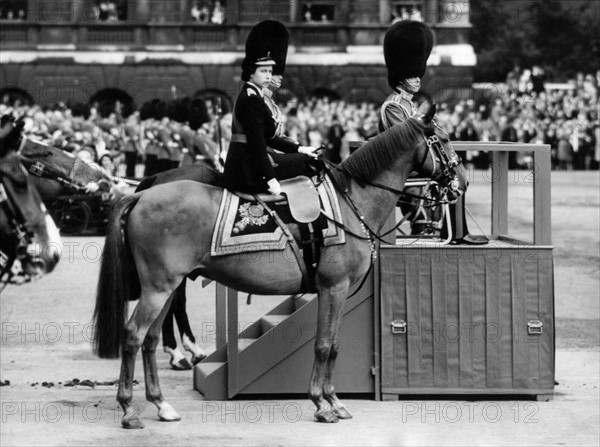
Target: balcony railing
[[203, 37]]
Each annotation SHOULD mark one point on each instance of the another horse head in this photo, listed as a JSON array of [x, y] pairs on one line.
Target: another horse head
[[439, 161], [27, 232]]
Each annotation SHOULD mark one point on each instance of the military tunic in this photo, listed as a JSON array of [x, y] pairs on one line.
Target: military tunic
[[248, 166], [397, 108]]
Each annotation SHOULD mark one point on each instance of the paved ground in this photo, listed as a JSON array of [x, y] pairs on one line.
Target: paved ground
[[44, 338]]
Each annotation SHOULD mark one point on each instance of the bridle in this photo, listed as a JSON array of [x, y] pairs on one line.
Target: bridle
[[21, 233], [447, 180], [449, 161], [445, 177]]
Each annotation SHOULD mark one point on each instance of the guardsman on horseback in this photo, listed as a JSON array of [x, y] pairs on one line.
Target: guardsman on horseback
[[249, 166], [406, 47]]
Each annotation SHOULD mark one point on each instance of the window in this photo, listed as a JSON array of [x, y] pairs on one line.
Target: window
[[318, 12], [161, 11], [109, 11], [407, 10], [13, 10], [208, 11]]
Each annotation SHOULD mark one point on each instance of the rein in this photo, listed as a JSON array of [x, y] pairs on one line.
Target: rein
[[435, 148], [19, 230]]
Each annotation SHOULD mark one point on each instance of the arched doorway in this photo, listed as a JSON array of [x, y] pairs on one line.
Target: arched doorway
[[105, 101], [15, 96]]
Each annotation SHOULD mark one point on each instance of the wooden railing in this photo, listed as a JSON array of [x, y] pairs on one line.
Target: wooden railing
[[542, 230]]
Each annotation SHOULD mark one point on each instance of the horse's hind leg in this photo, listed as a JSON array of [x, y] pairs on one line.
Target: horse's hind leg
[[183, 323], [331, 306], [145, 314], [153, 393]]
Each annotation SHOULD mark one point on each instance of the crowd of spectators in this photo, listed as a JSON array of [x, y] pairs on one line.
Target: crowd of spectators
[[208, 11], [13, 10], [525, 111], [566, 119]]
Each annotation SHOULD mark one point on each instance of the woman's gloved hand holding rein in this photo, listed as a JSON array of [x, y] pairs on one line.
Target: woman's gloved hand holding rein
[[274, 187], [309, 150]]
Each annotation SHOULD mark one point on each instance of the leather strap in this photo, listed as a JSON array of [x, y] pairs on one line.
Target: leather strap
[[293, 244]]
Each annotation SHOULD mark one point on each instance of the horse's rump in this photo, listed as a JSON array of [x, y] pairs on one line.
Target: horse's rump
[[200, 172]]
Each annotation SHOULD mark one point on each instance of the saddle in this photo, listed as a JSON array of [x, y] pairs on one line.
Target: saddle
[[302, 197]]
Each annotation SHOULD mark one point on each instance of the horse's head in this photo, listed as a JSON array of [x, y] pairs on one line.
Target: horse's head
[[438, 160], [27, 232]]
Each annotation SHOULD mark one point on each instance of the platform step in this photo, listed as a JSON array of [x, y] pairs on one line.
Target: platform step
[[210, 379], [243, 343], [268, 322], [205, 369], [303, 300]]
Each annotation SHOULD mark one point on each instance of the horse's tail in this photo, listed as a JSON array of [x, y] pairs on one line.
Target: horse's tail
[[117, 284]]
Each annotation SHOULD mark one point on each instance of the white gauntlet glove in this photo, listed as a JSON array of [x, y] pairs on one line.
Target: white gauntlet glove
[[274, 187], [308, 150]]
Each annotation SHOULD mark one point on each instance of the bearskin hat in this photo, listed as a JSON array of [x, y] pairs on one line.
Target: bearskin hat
[[406, 48], [198, 113], [178, 110], [146, 111], [267, 44], [80, 110], [158, 109]]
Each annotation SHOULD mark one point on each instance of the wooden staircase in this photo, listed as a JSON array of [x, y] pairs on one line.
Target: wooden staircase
[[274, 355]]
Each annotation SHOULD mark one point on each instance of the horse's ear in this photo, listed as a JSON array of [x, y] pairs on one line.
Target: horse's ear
[[430, 114]]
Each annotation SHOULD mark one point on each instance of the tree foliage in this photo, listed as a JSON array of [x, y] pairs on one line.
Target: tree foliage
[[559, 35]]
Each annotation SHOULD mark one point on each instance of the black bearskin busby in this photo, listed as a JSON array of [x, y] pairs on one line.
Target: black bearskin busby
[[267, 44], [178, 110], [198, 113], [406, 48], [146, 111], [159, 109]]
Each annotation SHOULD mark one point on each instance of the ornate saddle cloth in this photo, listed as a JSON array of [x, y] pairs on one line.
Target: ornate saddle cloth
[[243, 225]]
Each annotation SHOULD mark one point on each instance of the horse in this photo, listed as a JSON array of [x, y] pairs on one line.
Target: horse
[[27, 232], [201, 171], [159, 236], [64, 182]]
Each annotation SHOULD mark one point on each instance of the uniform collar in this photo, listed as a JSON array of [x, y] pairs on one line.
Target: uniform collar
[[268, 93], [403, 93]]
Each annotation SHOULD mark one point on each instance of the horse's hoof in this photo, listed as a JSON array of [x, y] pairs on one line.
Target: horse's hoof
[[342, 413], [198, 358], [131, 422], [181, 365], [326, 416], [168, 414]]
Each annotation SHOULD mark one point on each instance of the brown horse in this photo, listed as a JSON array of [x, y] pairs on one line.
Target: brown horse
[[157, 237], [27, 232]]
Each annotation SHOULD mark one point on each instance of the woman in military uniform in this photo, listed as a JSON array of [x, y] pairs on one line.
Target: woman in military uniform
[[250, 167]]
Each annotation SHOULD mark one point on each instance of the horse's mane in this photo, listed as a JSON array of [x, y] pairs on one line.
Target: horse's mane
[[382, 151]]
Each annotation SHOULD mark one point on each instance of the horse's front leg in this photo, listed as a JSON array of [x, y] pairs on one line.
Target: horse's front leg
[[331, 306], [153, 393], [144, 315], [328, 388]]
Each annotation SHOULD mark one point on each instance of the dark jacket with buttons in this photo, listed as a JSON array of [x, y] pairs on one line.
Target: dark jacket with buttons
[[248, 166]]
